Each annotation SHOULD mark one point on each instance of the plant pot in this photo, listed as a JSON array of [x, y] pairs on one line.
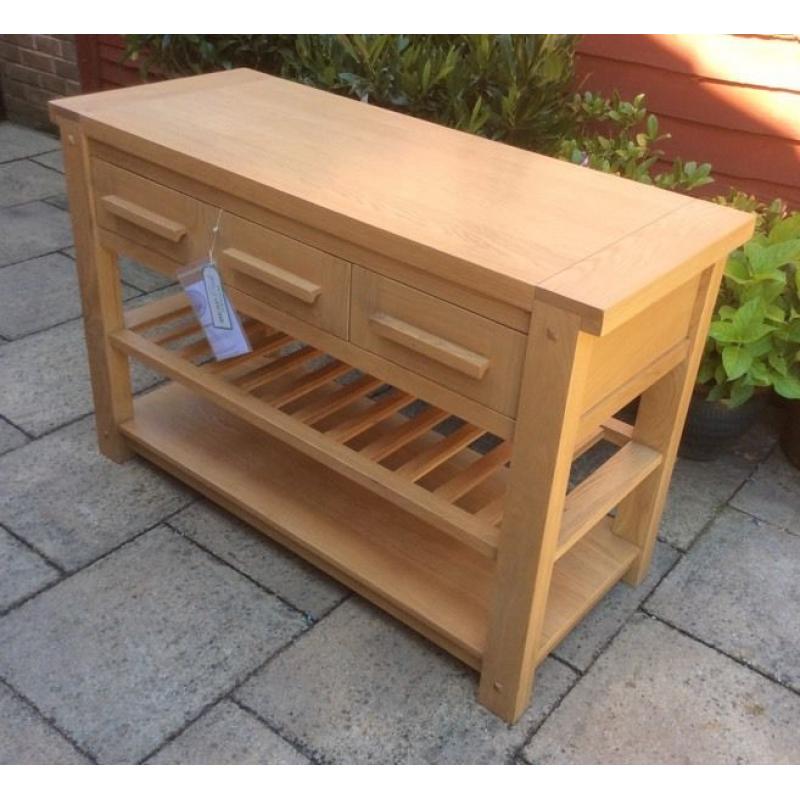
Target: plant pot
[[712, 428], [790, 438]]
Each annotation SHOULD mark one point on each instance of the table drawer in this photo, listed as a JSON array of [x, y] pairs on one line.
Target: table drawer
[[307, 283], [467, 353], [161, 219]]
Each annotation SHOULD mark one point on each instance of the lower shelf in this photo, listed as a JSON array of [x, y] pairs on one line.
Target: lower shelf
[[429, 580]]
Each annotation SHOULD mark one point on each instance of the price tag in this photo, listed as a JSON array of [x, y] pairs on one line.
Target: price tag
[[215, 313]]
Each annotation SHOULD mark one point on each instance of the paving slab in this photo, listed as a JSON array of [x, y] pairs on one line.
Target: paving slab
[[40, 293], [31, 230], [124, 653], [600, 626], [17, 141], [45, 379], [658, 697], [226, 734], [361, 688], [23, 571], [773, 493], [59, 201], [697, 493], [73, 504], [24, 181], [53, 160], [26, 738], [739, 589], [267, 563], [10, 437], [140, 277]]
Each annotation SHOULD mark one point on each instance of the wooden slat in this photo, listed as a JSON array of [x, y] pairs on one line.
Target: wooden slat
[[157, 312], [187, 328], [617, 432], [414, 499], [193, 350], [275, 369], [306, 384], [492, 512], [436, 394], [598, 494], [322, 407], [613, 430], [475, 473], [427, 461], [273, 342], [202, 348], [382, 409], [393, 440]]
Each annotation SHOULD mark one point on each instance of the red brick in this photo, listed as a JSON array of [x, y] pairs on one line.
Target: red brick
[[68, 52], [9, 53], [22, 111], [19, 39], [65, 69], [23, 74], [14, 89], [49, 45], [52, 83], [39, 61]]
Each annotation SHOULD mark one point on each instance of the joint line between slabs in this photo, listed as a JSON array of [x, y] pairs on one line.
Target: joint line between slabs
[[228, 694], [47, 720]]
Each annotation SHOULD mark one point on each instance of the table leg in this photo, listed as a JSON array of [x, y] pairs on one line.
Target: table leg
[[102, 302], [556, 365], [659, 425]]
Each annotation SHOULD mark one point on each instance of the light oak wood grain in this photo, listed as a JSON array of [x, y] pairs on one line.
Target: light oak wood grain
[[476, 212], [478, 358]]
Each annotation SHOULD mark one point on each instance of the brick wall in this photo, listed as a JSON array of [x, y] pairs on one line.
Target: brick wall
[[35, 68]]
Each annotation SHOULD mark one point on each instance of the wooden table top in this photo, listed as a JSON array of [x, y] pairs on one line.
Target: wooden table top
[[501, 220]]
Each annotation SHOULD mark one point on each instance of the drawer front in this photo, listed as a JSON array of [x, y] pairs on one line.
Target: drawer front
[[161, 219], [286, 274], [467, 353]]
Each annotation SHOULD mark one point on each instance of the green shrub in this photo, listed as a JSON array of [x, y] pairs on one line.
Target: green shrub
[[620, 137], [187, 54], [754, 339]]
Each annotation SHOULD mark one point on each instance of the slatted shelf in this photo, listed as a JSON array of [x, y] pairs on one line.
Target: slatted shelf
[[429, 580], [427, 462]]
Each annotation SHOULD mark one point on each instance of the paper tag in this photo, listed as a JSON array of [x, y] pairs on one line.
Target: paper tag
[[215, 313], [217, 300]]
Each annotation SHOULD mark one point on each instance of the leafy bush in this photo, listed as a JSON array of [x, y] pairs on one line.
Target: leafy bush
[[186, 54], [620, 137], [754, 339]]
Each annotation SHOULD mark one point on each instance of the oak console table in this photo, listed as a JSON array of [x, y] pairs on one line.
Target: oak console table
[[380, 264]]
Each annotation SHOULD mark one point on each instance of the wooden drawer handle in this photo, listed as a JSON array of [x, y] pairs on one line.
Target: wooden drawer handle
[[280, 279], [144, 218], [428, 344]]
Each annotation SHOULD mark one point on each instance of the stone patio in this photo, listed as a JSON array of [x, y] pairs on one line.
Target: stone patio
[[140, 624]]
